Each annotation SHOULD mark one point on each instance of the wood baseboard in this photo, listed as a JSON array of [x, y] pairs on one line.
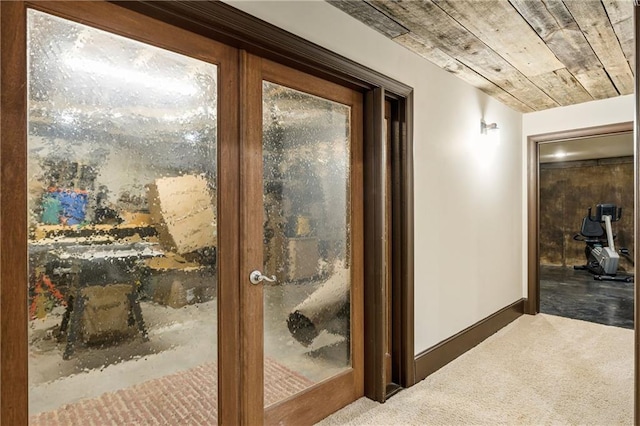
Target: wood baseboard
[[436, 357]]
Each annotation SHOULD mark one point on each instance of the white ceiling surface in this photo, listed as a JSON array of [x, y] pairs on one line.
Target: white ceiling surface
[[608, 146]]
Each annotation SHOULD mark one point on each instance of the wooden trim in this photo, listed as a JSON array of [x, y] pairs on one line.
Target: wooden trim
[[586, 132], [403, 243], [375, 196], [533, 229], [13, 218], [443, 353], [324, 399], [227, 24], [2, 49], [228, 250], [307, 83], [636, 171], [135, 26], [388, 247], [251, 247], [357, 242], [533, 198]]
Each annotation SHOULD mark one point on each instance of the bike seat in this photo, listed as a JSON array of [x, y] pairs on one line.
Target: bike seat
[[591, 229]]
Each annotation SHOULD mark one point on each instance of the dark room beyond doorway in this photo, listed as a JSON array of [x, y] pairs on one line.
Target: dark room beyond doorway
[[576, 175]]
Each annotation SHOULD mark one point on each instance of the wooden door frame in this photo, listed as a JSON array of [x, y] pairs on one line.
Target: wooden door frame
[[636, 180], [383, 163], [13, 218], [223, 23], [532, 305]]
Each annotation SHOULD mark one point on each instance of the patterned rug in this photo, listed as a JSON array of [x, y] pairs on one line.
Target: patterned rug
[[186, 398]]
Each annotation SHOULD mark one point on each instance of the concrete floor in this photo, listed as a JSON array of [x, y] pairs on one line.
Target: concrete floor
[[575, 294], [179, 339]]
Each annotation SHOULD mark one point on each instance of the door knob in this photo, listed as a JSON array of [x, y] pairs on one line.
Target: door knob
[[256, 277]]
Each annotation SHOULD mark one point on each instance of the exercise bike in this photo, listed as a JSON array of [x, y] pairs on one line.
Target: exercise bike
[[602, 257]]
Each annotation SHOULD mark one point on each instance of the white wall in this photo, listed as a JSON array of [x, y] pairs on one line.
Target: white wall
[[468, 230], [589, 114]]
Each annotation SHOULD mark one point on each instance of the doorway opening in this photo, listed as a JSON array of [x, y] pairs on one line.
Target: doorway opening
[[534, 149], [581, 181]]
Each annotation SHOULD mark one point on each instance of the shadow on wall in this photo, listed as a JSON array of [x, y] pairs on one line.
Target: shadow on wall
[[567, 190]]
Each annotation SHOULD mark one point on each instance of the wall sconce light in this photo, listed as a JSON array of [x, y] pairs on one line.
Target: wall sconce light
[[486, 129], [485, 145], [489, 134]]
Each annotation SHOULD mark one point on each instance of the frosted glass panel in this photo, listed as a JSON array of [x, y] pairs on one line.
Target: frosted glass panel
[[122, 230], [307, 242]]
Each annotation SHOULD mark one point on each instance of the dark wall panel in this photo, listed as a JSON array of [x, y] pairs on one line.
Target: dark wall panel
[[567, 190]]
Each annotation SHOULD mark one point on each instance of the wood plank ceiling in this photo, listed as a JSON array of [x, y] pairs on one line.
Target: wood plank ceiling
[[529, 54]]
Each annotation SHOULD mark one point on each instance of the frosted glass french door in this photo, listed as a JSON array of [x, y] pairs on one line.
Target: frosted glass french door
[[124, 249], [161, 171], [304, 242]]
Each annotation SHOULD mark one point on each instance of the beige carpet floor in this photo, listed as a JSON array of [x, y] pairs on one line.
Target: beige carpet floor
[[539, 370]]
